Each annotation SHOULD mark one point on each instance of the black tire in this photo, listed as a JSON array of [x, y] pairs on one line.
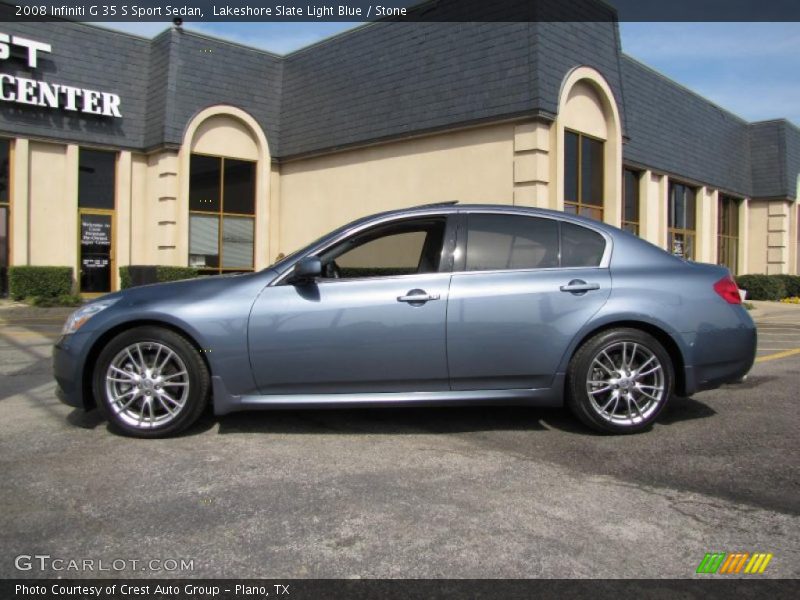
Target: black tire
[[195, 398], [583, 366]]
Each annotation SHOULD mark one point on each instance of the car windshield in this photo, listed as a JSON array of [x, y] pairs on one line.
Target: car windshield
[[281, 263]]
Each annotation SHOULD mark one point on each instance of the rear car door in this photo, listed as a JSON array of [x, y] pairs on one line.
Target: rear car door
[[522, 288]]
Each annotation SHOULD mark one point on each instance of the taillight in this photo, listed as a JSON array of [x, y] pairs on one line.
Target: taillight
[[727, 289]]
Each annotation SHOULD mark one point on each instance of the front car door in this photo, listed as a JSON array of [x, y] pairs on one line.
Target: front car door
[[374, 322], [522, 288]]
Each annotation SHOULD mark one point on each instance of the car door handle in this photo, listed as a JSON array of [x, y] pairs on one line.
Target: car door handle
[[415, 296], [578, 286]]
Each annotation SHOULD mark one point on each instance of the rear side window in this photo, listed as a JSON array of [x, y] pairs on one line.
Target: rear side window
[[496, 242], [581, 247]]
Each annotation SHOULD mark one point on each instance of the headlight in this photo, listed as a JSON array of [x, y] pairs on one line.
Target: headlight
[[83, 314]]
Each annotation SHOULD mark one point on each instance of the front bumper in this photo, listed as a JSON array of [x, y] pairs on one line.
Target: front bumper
[[68, 360]]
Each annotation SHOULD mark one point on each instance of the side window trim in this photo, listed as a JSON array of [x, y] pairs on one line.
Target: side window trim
[[460, 252], [449, 243], [449, 238], [459, 264]]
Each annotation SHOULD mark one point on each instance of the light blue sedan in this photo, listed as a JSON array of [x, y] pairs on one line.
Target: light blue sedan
[[442, 304]]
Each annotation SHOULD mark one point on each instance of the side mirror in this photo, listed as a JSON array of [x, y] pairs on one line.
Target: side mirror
[[306, 270]]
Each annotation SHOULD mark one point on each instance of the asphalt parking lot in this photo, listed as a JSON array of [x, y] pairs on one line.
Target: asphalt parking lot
[[477, 492]]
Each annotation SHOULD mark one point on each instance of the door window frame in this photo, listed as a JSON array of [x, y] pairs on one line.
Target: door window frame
[[687, 235], [579, 202], [112, 212], [112, 259], [445, 263], [460, 253], [728, 239]]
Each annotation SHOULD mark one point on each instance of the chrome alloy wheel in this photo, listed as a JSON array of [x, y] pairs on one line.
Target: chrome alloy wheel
[[625, 383], [147, 385]]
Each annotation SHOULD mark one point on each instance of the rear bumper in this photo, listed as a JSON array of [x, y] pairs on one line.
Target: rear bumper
[[720, 358], [710, 377]]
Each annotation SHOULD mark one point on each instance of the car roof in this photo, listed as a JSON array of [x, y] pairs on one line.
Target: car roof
[[454, 207]]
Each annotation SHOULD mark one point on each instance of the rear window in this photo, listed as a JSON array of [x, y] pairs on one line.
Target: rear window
[[581, 247]]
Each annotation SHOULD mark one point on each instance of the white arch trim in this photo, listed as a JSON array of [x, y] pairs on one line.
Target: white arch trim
[[262, 222], [613, 145], [229, 111]]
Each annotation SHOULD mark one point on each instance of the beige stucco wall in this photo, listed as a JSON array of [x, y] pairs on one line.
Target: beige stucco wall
[[318, 194], [744, 236], [20, 202], [793, 249], [224, 135], [142, 250], [53, 204], [653, 189], [583, 111]]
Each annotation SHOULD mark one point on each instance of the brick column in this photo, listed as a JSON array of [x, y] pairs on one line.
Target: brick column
[[653, 208], [794, 252], [123, 215], [744, 237], [72, 253], [778, 237], [706, 216], [20, 203], [532, 164], [172, 248]]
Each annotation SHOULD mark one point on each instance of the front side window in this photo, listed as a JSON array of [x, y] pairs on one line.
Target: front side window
[[728, 233], [406, 248], [222, 199], [681, 220], [583, 175], [630, 201]]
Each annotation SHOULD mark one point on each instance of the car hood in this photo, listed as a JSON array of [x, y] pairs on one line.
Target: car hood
[[187, 290]]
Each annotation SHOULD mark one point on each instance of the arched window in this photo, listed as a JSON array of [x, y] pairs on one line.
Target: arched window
[[222, 200], [728, 233], [682, 220], [583, 175], [630, 200]]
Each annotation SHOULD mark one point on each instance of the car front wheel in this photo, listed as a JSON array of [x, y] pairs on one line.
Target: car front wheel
[[619, 381], [150, 382]]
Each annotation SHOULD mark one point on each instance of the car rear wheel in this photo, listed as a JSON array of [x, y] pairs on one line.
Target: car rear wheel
[[619, 381], [150, 382]]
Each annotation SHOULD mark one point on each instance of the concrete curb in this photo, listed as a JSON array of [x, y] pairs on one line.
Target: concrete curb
[[17, 311]]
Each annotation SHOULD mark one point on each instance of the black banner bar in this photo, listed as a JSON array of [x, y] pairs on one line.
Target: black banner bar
[[702, 588], [401, 10]]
